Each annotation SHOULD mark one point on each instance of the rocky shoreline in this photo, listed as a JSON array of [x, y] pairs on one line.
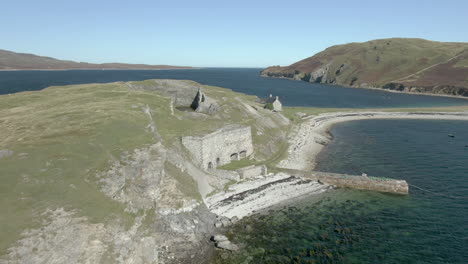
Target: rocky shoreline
[[405, 91], [259, 194], [305, 143]]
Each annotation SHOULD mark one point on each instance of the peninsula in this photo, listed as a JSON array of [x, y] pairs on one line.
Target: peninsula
[[22, 61], [397, 64], [148, 171]]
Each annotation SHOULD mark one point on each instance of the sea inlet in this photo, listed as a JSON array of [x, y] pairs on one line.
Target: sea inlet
[[351, 226]]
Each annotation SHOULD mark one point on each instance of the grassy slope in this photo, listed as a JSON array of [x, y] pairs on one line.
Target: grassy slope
[[379, 62], [63, 136]]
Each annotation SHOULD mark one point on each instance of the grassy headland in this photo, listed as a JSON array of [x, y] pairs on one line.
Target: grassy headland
[[410, 65]]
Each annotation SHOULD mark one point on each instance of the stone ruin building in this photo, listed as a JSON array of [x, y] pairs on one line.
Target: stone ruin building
[[202, 104], [230, 143], [273, 103]]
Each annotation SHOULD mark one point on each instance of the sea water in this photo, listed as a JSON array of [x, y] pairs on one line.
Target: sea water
[[291, 93], [430, 225]]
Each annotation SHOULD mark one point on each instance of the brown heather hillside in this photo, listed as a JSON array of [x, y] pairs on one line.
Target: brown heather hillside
[[21, 61], [410, 65]]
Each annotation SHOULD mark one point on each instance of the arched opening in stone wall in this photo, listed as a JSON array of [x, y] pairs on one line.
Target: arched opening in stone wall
[[234, 156], [218, 162], [210, 165], [243, 154]]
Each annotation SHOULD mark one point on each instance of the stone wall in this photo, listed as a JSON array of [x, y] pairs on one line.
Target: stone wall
[[252, 171], [233, 142], [367, 183]]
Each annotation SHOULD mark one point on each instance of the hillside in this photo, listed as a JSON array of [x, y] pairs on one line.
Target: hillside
[[410, 65], [97, 173], [21, 61]]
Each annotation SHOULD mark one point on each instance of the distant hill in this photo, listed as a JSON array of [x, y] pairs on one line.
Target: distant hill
[[410, 65], [22, 61]]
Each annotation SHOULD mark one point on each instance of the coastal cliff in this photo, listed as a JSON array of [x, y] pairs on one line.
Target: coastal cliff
[[406, 65], [97, 173]]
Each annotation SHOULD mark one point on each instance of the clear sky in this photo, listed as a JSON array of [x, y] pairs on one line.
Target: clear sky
[[217, 33]]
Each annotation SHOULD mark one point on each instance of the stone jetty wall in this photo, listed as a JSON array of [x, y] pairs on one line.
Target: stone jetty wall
[[354, 181], [252, 171], [366, 183]]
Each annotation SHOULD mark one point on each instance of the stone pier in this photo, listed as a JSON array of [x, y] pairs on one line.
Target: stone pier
[[355, 181]]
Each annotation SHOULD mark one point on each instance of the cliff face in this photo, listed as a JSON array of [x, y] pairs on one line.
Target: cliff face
[[21, 61], [411, 65]]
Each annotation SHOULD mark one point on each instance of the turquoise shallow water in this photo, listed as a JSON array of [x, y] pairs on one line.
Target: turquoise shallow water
[[348, 226]]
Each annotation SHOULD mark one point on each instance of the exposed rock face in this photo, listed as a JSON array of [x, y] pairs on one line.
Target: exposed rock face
[[407, 65], [136, 179], [67, 238], [439, 89]]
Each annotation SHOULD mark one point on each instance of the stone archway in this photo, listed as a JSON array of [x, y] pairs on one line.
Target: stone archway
[[243, 154], [218, 162], [234, 156]]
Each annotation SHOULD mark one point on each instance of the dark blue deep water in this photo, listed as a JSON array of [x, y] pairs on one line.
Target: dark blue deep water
[[292, 93], [350, 226]]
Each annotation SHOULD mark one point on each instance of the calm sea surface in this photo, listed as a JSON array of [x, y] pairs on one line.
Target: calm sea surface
[[342, 226], [349, 226], [292, 93]]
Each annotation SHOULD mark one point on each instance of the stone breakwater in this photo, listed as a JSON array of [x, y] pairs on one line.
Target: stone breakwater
[[308, 139], [360, 182], [367, 183]]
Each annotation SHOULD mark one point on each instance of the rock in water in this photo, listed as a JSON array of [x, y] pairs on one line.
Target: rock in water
[[227, 245], [219, 238]]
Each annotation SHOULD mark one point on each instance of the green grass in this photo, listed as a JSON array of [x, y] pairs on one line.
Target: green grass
[[67, 134], [63, 136], [235, 165], [376, 62]]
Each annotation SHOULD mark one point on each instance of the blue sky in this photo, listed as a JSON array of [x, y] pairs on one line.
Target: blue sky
[[216, 33]]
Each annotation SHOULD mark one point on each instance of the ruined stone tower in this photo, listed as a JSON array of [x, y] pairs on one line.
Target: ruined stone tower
[[198, 101], [203, 104]]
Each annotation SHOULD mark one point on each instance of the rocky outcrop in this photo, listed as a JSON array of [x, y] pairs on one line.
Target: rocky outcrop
[[109, 180], [437, 89], [222, 242]]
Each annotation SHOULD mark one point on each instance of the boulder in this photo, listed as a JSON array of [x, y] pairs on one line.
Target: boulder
[[219, 238], [227, 245], [225, 221], [218, 224]]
